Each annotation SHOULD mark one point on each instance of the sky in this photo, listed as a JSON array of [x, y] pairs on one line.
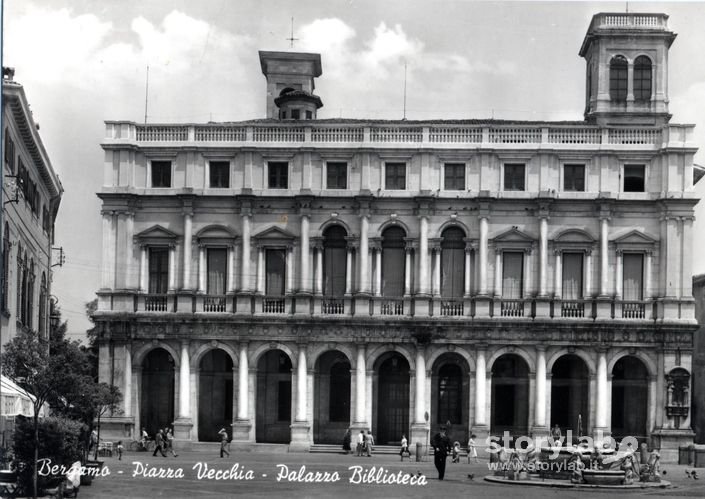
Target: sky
[[84, 61]]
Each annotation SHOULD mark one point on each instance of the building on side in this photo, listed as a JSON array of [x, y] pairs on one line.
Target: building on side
[[295, 277], [31, 194]]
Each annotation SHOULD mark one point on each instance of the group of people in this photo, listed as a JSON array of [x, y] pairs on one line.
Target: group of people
[[364, 445], [164, 440]]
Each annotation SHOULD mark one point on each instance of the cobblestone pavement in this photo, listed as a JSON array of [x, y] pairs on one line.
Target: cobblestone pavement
[[255, 475]]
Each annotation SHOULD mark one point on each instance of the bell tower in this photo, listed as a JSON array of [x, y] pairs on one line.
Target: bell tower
[[627, 69], [290, 83]]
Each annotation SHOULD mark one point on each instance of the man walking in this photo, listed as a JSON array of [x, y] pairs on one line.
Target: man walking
[[159, 441], [441, 448], [360, 442], [369, 442], [223, 442]]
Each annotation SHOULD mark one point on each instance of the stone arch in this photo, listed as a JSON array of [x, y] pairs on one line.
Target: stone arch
[[579, 235], [393, 222], [589, 361], [438, 352], [374, 355], [452, 222], [219, 230], [518, 351], [213, 345], [642, 356], [254, 355], [646, 56], [319, 350], [331, 222], [141, 353]]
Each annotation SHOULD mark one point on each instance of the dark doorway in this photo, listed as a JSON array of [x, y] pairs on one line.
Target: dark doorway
[[215, 395], [510, 396], [392, 400], [331, 398], [449, 396], [274, 398], [157, 400], [569, 396], [630, 391]]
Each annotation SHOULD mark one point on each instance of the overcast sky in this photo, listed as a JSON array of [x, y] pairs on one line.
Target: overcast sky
[[84, 61]]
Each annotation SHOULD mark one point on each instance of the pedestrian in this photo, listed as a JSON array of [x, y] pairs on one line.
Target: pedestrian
[[369, 443], [144, 439], [159, 444], [441, 447], [346, 441], [93, 441], [360, 442], [472, 450], [169, 439], [456, 452], [556, 436], [119, 450], [223, 442], [404, 448]]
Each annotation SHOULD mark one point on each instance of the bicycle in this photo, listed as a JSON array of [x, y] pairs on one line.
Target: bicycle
[[141, 446]]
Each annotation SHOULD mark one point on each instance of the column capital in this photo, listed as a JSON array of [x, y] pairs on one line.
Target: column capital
[[374, 243], [434, 243]]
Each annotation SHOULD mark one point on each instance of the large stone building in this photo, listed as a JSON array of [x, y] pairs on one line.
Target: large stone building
[[31, 194], [295, 276]]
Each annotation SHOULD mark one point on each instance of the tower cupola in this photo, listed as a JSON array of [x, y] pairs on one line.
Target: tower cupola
[[627, 68], [290, 84]]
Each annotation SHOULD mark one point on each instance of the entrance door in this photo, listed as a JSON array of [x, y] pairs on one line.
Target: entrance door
[[569, 396], [630, 389], [510, 396], [215, 395], [157, 400], [393, 400]]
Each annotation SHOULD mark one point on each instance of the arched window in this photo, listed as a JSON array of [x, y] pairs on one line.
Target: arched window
[[618, 78], [642, 79], [5, 266], [452, 263], [334, 261], [43, 305], [393, 260], [450, 385]]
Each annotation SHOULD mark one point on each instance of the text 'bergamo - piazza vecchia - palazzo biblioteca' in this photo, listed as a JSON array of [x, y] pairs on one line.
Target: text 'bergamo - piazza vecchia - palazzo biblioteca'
[[292, 277]]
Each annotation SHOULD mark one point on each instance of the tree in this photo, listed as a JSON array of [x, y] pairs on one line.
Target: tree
[[106, 400], [27, 361]]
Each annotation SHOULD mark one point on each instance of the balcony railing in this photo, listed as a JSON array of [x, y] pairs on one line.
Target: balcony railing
[[512, 308], [156, 303], [633, 310], [573, 309], [452, 307], [273, 305], [214, 303], [392, 306], [333, 306]]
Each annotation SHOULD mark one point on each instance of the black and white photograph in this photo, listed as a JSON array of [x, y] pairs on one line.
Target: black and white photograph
[[352, 248]]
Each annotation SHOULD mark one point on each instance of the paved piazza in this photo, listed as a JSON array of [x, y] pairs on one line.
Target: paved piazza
[[121, 483]]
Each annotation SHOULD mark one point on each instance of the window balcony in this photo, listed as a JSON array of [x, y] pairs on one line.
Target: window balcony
[[214, 303], [273, 305], [633, 310], [333, 305], [452, 307], [572, 309], [155, 302], [511, 308], [396, 306]]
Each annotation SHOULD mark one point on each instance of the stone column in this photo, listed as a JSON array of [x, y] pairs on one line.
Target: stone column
[[630, 81], [558, 277], [407, 269], [348, 270], [527, 273], [423, 255], [246, 267], [468, 283], [378, 270], [480, 387], [437, 270], [188, 224], [108, 278], [364, 256], [543, 256], [601, 399], [301, 397], [127, 395], [172, 267], [360, 383], [242, 424], [420, 384], [604, 267], [289, 286], [201, 268], [184, 383], [540, 407], [231, 268], [483, 256], [319, 268], [144, 269], [260, 270], [497, 272], [648, 294], [305, 285], [618, 275]]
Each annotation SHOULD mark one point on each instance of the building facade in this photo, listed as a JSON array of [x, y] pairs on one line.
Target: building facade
[[294, 277]]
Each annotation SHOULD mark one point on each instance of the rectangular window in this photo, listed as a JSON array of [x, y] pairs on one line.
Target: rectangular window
[[278, 175], [633, 276], [634, 178], [337, 175], [454, 177], [395, 176], [514, 177], [295, 114], [572, 276], [512, 275], [574, 178], [9, 151], [217, 266], [275, 270], [161, 173], [219, 174], [309, 115], [158, 270]]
